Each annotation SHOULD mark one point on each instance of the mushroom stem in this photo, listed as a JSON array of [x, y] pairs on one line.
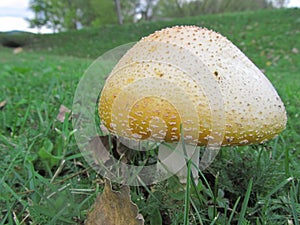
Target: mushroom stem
[[173, 159]]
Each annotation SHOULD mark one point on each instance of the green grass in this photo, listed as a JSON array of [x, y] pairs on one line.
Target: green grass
[[45, 180]]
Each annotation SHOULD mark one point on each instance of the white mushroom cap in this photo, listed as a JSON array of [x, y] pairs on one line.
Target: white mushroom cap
[[178, 76]]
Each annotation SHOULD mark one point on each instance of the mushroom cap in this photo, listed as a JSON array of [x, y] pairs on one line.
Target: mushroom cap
[[195, 79]]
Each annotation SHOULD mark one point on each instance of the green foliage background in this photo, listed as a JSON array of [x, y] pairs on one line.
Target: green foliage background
[[45, 180], [74, 14]]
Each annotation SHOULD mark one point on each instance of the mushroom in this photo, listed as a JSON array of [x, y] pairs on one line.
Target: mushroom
[[191, 81]]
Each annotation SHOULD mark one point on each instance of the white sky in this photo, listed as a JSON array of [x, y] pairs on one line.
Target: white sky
[[13, 12]]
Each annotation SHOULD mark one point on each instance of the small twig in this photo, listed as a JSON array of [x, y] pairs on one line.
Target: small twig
[[59, 190], [59, 169], [81, 191], [71, 176], [16, 218], [25, 218], [25, 192]]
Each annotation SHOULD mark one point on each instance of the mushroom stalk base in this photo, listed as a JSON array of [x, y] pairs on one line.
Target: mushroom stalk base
[[174, 160]]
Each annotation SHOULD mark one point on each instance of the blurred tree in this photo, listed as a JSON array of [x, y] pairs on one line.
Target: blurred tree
[[280, 3], [180, 8], [104, 12], [169, 8], [241, 5], [145, 9], [129, 11], [72, 14], [119, 12], [40, 17]]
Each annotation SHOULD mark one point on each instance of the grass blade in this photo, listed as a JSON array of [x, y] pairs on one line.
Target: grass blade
[[293, 205], [187, 194], [197, 212], [279, 186], [245, 203], [215, 219], [233, 210]]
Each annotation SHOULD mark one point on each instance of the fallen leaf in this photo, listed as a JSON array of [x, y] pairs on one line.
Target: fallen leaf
[[114, 208], [63, 110], [2, 104], [18, 50]]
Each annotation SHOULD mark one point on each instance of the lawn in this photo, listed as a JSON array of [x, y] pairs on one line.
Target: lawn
[[45, 179]]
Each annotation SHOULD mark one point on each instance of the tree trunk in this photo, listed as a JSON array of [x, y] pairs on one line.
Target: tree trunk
[[118, 9]]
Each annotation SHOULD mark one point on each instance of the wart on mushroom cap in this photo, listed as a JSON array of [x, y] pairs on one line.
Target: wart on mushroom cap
[[253, 110]]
